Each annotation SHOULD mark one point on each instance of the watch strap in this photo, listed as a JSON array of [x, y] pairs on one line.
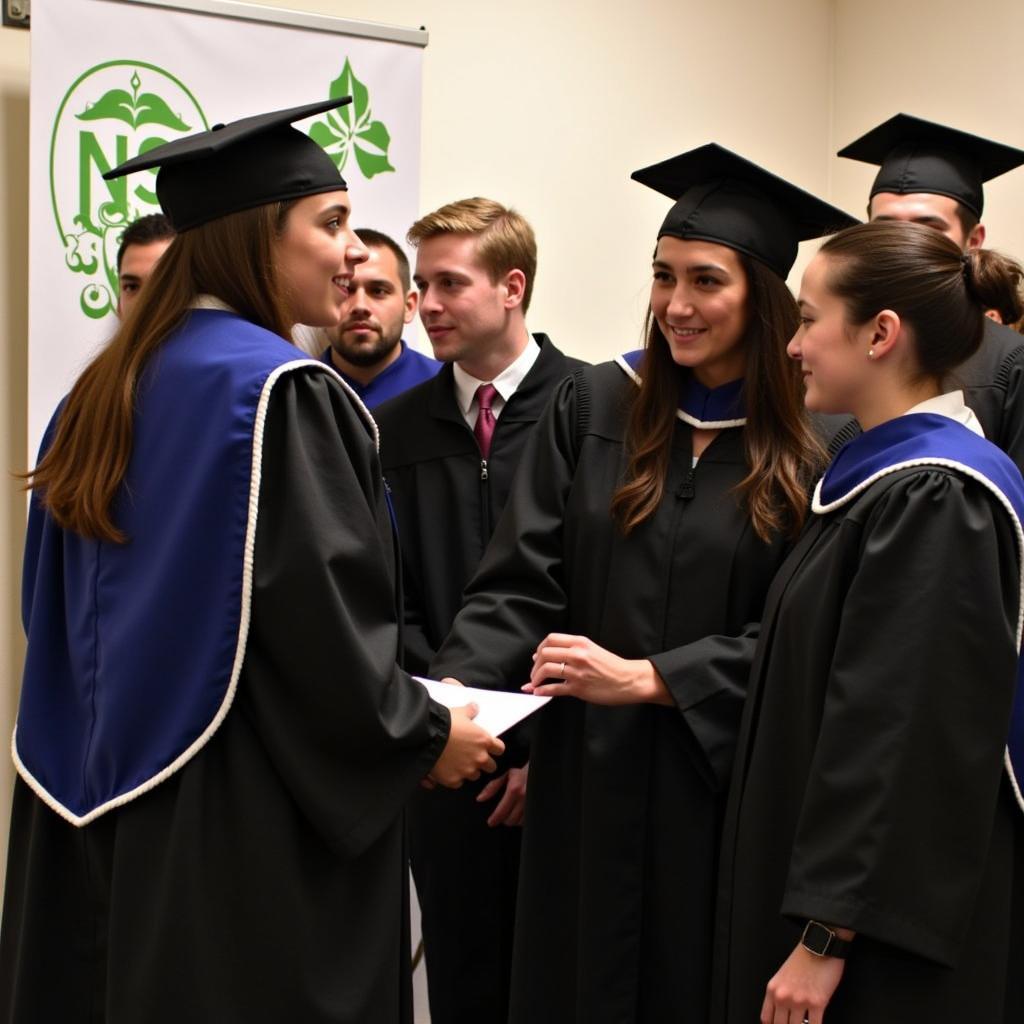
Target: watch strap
[[821, 940]]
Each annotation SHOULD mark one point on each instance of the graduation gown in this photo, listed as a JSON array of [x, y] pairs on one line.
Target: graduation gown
[[265, 879], [623, 805], [869, 789], [447, 502], [993, 384]]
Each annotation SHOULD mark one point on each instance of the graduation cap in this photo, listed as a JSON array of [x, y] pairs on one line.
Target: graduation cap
[[238, 166], [921, 156], [722, 197]]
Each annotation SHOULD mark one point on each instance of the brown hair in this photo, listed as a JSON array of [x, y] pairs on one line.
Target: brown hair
[[505, 241], [922, 276], [969, 220], [781, 448], [373, 239], [231, 258], [1002, 284], [153, 227]]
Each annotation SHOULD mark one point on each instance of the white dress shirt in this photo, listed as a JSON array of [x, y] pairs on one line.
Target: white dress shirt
[[951, 404], [505, 383]]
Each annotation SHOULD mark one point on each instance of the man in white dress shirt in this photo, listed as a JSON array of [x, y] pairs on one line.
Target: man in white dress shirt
[[450, 447]]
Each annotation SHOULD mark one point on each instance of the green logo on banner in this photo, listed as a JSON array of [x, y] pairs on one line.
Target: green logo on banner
[[112, 112], [351, 129]]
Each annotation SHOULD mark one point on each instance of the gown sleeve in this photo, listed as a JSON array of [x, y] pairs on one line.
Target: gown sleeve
[[1012, 440], [708, 683], [349, 732], [517, 595], [417, 652], [898, 813]]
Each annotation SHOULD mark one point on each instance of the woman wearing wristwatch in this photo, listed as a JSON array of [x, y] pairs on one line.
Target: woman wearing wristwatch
[[870, 812]]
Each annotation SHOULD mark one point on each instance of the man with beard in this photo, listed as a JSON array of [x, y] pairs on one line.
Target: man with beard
[[366, 348]]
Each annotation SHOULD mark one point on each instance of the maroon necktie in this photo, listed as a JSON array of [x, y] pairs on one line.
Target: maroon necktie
[[484, 429]]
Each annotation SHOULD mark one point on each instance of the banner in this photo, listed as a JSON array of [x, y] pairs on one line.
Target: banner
[[112, 79]]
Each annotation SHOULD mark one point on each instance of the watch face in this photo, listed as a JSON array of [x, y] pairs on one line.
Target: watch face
[[817, 938]]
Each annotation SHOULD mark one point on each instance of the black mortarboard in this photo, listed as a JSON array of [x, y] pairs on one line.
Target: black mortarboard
[[237, 166], [721, 197], [921, 156]]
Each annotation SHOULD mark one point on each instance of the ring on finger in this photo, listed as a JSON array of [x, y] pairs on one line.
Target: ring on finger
[[562, 671]]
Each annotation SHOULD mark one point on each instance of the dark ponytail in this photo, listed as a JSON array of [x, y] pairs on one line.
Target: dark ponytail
[[921, 275], [996, 283]]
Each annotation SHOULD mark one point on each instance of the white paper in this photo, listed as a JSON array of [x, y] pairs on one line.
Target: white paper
[[498, 710]]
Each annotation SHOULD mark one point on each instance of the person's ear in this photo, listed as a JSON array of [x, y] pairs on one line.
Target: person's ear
[[885, 332], [515, 288], [976, 239]]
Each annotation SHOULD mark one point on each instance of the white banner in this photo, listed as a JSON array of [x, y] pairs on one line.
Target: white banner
[[112, 79]]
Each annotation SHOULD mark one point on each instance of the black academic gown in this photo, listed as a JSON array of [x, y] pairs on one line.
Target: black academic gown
[[869, 789], [266, 880], [624, 803], [447, 502], [993, 385]]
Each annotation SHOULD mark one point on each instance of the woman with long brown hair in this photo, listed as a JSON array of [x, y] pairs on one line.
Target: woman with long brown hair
[[214, 744], [626, 579]]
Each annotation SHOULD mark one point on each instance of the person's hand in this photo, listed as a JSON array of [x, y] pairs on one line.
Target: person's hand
[[512, 805], [802, 988], [469, 750], [574, 666]]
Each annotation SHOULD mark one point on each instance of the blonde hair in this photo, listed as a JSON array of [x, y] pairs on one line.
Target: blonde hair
[[505, 241]]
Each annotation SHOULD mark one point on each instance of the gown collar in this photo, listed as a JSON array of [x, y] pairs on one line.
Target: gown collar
[[935, 432], [704, 408], [211, 302]]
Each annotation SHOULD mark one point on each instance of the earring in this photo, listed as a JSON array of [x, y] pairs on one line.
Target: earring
[[871, 353]]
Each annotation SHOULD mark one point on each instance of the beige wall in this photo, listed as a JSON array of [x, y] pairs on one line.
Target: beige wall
[[14, 45], [549, 104], [942, 60]]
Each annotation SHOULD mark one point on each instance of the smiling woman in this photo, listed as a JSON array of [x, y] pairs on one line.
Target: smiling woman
[[626, 580], [699, 300], [214, 742], [316, 253]]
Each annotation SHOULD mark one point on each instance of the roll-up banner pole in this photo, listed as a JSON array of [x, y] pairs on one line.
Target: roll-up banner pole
[[113, 78]]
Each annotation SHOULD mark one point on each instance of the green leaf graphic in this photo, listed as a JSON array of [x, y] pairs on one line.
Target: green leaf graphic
[[335, 145], [116, 104], [151, 109], [372, 150], [352, 128], [346, 84]]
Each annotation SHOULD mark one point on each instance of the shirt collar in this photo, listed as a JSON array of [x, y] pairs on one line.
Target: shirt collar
[[211, 302], [951, 405], [506, 383]]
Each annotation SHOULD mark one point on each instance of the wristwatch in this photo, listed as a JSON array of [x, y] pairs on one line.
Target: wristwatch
[[821, 940]]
